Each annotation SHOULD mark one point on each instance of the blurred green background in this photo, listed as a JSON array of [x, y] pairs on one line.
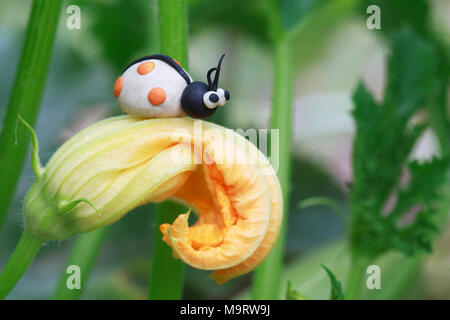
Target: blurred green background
[[333, 52]]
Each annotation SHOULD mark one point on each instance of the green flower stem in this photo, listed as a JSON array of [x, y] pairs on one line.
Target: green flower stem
[[267, 276], [167, 273], [84, 254], [19, 262], [26, 95]]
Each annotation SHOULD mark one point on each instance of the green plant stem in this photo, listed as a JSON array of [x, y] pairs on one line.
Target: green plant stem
[[172, 21], [167, 273], [266, 283], [84, 254], [26, 95], [355, 277], [19, 262]]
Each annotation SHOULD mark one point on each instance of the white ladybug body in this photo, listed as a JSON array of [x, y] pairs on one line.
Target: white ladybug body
[[157, 86]]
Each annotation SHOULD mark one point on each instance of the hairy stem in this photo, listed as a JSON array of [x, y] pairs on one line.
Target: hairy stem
[[88, 245], [19, 262], [26, 95]]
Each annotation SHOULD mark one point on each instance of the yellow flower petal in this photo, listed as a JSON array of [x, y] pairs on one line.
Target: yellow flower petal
[[120, 163]]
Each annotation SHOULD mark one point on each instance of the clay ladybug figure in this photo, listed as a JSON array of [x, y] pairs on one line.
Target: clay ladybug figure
[[157, 86]]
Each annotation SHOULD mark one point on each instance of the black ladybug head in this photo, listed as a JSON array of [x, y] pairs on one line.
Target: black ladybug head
[[200, 100]]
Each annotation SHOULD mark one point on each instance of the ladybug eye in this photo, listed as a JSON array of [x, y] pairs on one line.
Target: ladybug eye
[[224, 96], [211, 99]]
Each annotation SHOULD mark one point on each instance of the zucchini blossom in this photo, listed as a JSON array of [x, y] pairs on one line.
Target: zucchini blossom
[[115, 165]]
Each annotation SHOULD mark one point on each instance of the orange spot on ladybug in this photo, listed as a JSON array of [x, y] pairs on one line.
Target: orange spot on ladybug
[[177, 62], [156, 96], [118, 86], [145, 67]]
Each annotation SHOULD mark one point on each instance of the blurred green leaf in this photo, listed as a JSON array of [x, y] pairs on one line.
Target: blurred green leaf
[[252, 17], [234, 15], [421, 194], [411, 76], [384, 138], [122, 29], [293, 11], [396, 14], [336, 288]]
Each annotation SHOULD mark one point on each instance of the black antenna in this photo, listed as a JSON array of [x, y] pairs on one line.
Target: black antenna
[[208, 76], [212, 85], [216, 78]]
